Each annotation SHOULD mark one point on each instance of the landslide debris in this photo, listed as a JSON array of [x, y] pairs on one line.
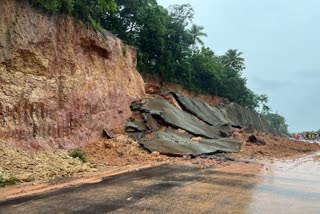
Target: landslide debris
[[31, 165], [269, 146], [224, 113], [176, 124], [161, 125], [171, 141], [176, 117], [120, 151], [211, 115]]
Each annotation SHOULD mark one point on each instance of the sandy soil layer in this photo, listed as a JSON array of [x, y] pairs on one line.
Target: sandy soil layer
[[31, 165]]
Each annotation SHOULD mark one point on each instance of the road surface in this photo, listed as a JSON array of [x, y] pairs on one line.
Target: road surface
[[280, 187]]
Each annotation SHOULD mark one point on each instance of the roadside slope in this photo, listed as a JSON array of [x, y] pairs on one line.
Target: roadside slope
[[61, 82]]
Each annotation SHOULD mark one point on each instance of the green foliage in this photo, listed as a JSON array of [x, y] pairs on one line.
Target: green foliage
[[278, 122], [233, 60], [166, 42], [86, 10], [196, 33], [96, 26], [8, 181], [124, 50], [78, 154]]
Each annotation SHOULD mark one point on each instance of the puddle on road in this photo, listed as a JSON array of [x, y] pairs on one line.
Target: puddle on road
[[291, 186]]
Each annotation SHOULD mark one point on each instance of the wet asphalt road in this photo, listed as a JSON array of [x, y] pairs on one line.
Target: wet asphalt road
[[186, 189]]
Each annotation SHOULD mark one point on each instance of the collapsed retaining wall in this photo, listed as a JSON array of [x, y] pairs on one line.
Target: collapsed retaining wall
[[61, 83]]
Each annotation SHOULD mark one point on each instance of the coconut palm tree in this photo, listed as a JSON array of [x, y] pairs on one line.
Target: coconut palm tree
[[232, 59], [196, 33]]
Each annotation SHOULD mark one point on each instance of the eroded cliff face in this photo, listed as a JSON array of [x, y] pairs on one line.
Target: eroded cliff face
[[61, 83]]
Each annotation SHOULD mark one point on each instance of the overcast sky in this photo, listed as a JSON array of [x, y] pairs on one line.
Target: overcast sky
[[280, 40]]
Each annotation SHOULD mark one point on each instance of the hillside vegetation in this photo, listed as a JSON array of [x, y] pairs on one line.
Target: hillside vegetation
[[170, 46]]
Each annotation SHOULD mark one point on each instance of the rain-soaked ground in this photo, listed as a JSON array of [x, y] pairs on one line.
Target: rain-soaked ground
[[279, 187]]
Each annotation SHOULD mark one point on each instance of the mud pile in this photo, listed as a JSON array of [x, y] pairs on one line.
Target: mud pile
[[270, 146], [61, 82], [120, 151]]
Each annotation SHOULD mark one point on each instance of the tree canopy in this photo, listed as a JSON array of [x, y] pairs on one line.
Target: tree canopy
[[86, 10], [278, 122], [196, 32]]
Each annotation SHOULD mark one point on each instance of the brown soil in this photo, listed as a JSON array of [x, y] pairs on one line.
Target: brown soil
[[153, 86], [270, 146], [120, 151], [106, 157], [123, 151], [30, 165], [34, 166], [47, 170]]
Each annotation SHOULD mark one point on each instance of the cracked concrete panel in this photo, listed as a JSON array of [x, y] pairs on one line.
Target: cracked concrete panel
[[246, 118], [184, 120], [232, 113], [202, 110], [173, 142]]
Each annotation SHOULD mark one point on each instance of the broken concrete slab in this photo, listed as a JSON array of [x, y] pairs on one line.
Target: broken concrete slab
[[231, 113], [172, 142], [180, 119], [246, 118], [202, 110], [107, 134], [150, 122], [181, 125], [135, 126]]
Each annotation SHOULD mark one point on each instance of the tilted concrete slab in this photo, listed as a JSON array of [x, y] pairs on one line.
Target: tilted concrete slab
[[173, 142], [232, 113], [246, 118], [202, 110], [180, 119]]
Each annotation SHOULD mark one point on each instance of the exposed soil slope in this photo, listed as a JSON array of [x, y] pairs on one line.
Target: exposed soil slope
[[61, 82]]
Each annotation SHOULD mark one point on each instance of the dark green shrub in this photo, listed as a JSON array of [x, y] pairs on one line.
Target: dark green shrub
[[8, 181], [78, 154]]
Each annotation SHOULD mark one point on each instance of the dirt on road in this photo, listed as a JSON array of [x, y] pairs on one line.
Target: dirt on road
[[35, 167], [272, 147]]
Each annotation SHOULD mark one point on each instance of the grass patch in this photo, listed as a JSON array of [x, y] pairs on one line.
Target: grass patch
[[124, 50], [8, 181], [78, 154]]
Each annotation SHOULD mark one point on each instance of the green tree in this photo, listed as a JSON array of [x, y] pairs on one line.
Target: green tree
[[182, 14], [206, 72], [86, 10], [263, 104], [196, 32], [233, 59], [278, 122]]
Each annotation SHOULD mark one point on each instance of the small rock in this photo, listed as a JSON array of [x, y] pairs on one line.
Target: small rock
[[26, 177], [155, 154]]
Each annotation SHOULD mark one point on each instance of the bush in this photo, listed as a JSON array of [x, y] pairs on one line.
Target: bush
[[8, 181], [124, 50], [78, 154], [82, 9]]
